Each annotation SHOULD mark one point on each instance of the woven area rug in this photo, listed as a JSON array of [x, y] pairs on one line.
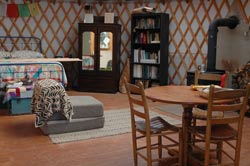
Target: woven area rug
[[116, 122]]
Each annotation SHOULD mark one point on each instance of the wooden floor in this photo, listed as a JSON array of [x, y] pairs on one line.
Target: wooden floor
[[21, 144]]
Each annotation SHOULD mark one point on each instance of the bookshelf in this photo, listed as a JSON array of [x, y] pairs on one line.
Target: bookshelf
[[149, 48]]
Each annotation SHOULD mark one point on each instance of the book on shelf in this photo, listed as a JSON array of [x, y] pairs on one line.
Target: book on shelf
[[143, 56], [153, 61], [136, 55], [159, 57], [137, 71], [154, 72], [147, 37], [149, 72], [155, 41], [141, 38], [146, 23]]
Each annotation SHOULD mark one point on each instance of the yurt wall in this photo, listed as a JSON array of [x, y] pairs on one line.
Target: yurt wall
[[57, 26]]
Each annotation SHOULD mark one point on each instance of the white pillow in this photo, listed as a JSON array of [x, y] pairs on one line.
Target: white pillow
[[5, 55], [25, 54]]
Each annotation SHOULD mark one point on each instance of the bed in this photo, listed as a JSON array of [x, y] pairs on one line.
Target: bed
[[21, 65]]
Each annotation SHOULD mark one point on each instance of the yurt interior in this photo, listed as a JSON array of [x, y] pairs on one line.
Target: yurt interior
[[103, 83]]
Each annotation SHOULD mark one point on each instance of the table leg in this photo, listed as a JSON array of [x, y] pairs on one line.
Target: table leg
[[186, 121]]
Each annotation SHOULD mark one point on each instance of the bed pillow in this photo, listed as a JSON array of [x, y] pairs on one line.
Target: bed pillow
[[25, 54], [5, 55]]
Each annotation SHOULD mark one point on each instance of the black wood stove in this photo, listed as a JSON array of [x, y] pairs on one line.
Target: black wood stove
[[231, 23]]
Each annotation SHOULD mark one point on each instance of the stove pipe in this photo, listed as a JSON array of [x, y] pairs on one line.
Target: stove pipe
[[230, 22]]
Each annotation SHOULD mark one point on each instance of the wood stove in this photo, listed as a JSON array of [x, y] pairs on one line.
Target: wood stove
[[231, 23]]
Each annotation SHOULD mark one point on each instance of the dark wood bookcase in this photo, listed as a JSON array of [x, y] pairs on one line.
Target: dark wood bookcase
[[149, 48]]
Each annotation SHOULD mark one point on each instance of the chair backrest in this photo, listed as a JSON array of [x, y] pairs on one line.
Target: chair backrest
[[227, 95], [210, 77], [138, 102]]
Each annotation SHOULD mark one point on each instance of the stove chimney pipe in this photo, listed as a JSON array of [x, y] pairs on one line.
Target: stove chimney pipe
[[230, 22]]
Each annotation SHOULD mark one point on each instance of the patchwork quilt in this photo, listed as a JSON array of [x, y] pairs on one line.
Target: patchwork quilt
[[15, 71], [18, 92]]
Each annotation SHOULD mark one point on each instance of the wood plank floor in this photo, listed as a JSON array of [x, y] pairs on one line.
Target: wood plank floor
[[21, 144]]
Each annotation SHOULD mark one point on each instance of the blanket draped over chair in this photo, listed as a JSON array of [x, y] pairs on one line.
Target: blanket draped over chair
[[49, 97]]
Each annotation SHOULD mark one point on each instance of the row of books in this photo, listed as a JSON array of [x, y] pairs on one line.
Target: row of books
[[147, 23], [149, 72], [147, 37], [143, 56]]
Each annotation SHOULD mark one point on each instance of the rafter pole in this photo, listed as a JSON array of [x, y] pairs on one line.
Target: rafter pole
[[79, 2], [101, 1], [120, 2]]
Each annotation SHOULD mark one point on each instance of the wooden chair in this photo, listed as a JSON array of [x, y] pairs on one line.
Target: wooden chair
[[213, 78], [220, 128], [199, 112], [152, 130]]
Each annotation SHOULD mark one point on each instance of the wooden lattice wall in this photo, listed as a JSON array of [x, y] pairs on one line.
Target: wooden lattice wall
[[57, 26]]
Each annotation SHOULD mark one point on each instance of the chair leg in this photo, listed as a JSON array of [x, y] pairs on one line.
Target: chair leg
[[149, 151], [180, 148], [159, 147], [237, 152], [219, 151], [134, 148], [193, 136]]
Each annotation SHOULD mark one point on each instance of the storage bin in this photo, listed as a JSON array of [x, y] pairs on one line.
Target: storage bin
[[20, 106]]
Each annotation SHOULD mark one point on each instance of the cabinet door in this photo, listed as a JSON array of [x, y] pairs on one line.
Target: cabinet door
[[88, 50], [97, 50], [106, 51]]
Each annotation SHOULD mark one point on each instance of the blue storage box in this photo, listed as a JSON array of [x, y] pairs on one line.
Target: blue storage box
[[20, 106]]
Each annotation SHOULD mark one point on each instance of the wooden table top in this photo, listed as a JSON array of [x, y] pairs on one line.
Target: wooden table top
[[175, 94]]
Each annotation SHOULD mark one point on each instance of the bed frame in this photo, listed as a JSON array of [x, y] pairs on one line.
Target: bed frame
[[63, 79], [19, 105], [11, 43]]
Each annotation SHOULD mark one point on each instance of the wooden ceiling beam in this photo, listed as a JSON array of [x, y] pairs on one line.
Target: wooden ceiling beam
[[79, 2], [120, 2]]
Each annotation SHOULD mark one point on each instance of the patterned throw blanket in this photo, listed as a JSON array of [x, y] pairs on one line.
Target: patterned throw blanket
[[49, 97]]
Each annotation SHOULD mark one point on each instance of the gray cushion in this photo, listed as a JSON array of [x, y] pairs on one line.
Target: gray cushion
[[88, 114], [83, 107], [63, 126], [86, 106]]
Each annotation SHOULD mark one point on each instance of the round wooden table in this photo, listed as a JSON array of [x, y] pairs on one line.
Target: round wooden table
[[183, 95]]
